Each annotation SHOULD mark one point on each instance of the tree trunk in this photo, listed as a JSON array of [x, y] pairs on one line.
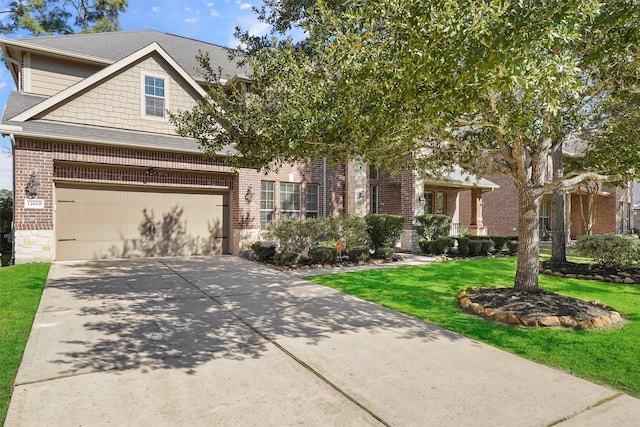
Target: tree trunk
[[528, 237], [558, 216]]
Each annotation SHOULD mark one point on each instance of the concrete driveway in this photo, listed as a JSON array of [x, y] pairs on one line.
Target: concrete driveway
[[224, 341]]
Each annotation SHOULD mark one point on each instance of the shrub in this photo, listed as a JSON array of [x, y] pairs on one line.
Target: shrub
[[463, 245], [385, 253], [614, 251], [442, 245], [426, 246], [293, 235], [323, 255], [475, 247], [432, 227], [384, 229], [289, 258], [487, 245], [264, 251], [498, 242], [360, 253], [512, 245], [350, 230]]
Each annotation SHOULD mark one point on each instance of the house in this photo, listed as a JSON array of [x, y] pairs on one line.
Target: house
[[99, 171]]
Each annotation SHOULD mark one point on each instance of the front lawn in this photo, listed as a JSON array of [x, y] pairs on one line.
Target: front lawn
[[605, 356], [20, 290]]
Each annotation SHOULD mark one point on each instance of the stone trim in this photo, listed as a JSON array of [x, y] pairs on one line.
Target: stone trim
[[466, 304]]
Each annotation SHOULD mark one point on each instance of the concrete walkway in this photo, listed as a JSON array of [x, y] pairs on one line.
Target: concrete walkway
[[223, 341]]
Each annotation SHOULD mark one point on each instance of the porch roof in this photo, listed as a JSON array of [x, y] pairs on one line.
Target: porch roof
[[462, 180]]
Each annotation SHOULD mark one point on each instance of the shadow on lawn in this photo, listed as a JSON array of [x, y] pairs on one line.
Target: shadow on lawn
[[169, 313]]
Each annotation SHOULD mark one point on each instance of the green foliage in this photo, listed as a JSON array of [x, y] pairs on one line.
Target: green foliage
[[264, 251], [360, 253], [475, 247], [581, 353], [512, 245], [323, 255], [293, 235], [385, 252], [383, 81], [499, 242], [432, 227], [610, 250], [384, 229], [463, 245], [289, 258], [20, 290], [47, 17], [426, 246], [487, 245], [6, 217], [350, 230]]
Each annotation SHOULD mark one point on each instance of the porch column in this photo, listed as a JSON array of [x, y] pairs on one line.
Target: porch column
[[476, 227]]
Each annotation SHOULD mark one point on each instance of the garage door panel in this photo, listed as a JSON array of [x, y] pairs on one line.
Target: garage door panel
[[107, 223]]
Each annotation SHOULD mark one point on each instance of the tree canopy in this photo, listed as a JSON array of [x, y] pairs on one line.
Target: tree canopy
[[489, 86], [46, 17]]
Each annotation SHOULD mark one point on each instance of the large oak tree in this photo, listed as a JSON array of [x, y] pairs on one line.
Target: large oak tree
[[487, 85], [46, 17]]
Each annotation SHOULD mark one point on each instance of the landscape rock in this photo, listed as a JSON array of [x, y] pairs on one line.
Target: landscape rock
[[528, 321], [628, 281], [615, 317], [489, 312], [598, 277], [476, 308], [567, 322], [465, 302], [549, 321], [606, 321], [597, 323], [585, 324], [512, 319], [500, 316]]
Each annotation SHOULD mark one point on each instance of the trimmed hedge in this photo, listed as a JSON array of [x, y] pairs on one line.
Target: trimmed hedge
[[463, 245], [512, 245], [384, 229], [264, 251], [360, 253], [475, 247], [385, 253], [431, 227], [323, 255], [289, 258], [616, 251]]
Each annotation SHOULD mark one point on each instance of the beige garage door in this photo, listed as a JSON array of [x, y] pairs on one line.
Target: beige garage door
[[95, 222]]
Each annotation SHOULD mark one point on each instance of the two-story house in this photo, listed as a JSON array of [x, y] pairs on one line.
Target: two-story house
[[99, 171]]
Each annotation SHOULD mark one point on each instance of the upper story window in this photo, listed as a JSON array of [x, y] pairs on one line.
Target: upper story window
[[155, 100], [312, 200]]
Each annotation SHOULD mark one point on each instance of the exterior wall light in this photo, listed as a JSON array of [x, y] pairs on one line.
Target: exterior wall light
[[151, 172], [248, 196], [33, 186]]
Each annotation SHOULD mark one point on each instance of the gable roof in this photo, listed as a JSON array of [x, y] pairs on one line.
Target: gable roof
[[104, 74], [108, 48]]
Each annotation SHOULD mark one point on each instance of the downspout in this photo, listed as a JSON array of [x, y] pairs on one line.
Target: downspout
[[324, 187]]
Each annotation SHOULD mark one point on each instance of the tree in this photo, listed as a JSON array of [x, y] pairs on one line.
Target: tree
[[46, 17], [426, 85], [6, 216]]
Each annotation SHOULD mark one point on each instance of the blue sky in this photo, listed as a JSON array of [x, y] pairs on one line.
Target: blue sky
[[210, 21]]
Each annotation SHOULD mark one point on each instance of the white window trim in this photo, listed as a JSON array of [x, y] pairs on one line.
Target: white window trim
[[143, 109]]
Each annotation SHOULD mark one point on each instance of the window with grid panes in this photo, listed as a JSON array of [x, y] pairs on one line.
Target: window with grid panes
[[267, 203]]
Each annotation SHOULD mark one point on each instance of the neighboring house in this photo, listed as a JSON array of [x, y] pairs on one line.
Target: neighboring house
[[612, 210], [99, 171]]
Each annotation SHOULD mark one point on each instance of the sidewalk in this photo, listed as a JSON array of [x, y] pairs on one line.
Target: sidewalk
[[224, 341]]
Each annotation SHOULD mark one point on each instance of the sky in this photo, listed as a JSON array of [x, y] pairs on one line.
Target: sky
[[209, 21]]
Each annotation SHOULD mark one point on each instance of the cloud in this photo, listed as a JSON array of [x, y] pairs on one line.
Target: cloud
[[155, 9], [191, 20], [214, 13], [245, 6]]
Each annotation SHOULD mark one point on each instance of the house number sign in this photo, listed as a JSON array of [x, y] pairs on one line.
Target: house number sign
[[33, 204]]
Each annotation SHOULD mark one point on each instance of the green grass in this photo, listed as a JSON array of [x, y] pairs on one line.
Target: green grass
[[572, 255], [20, 290], [608, 357]]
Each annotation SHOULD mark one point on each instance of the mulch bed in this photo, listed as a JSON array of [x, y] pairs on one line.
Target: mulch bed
[[548, 309]]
